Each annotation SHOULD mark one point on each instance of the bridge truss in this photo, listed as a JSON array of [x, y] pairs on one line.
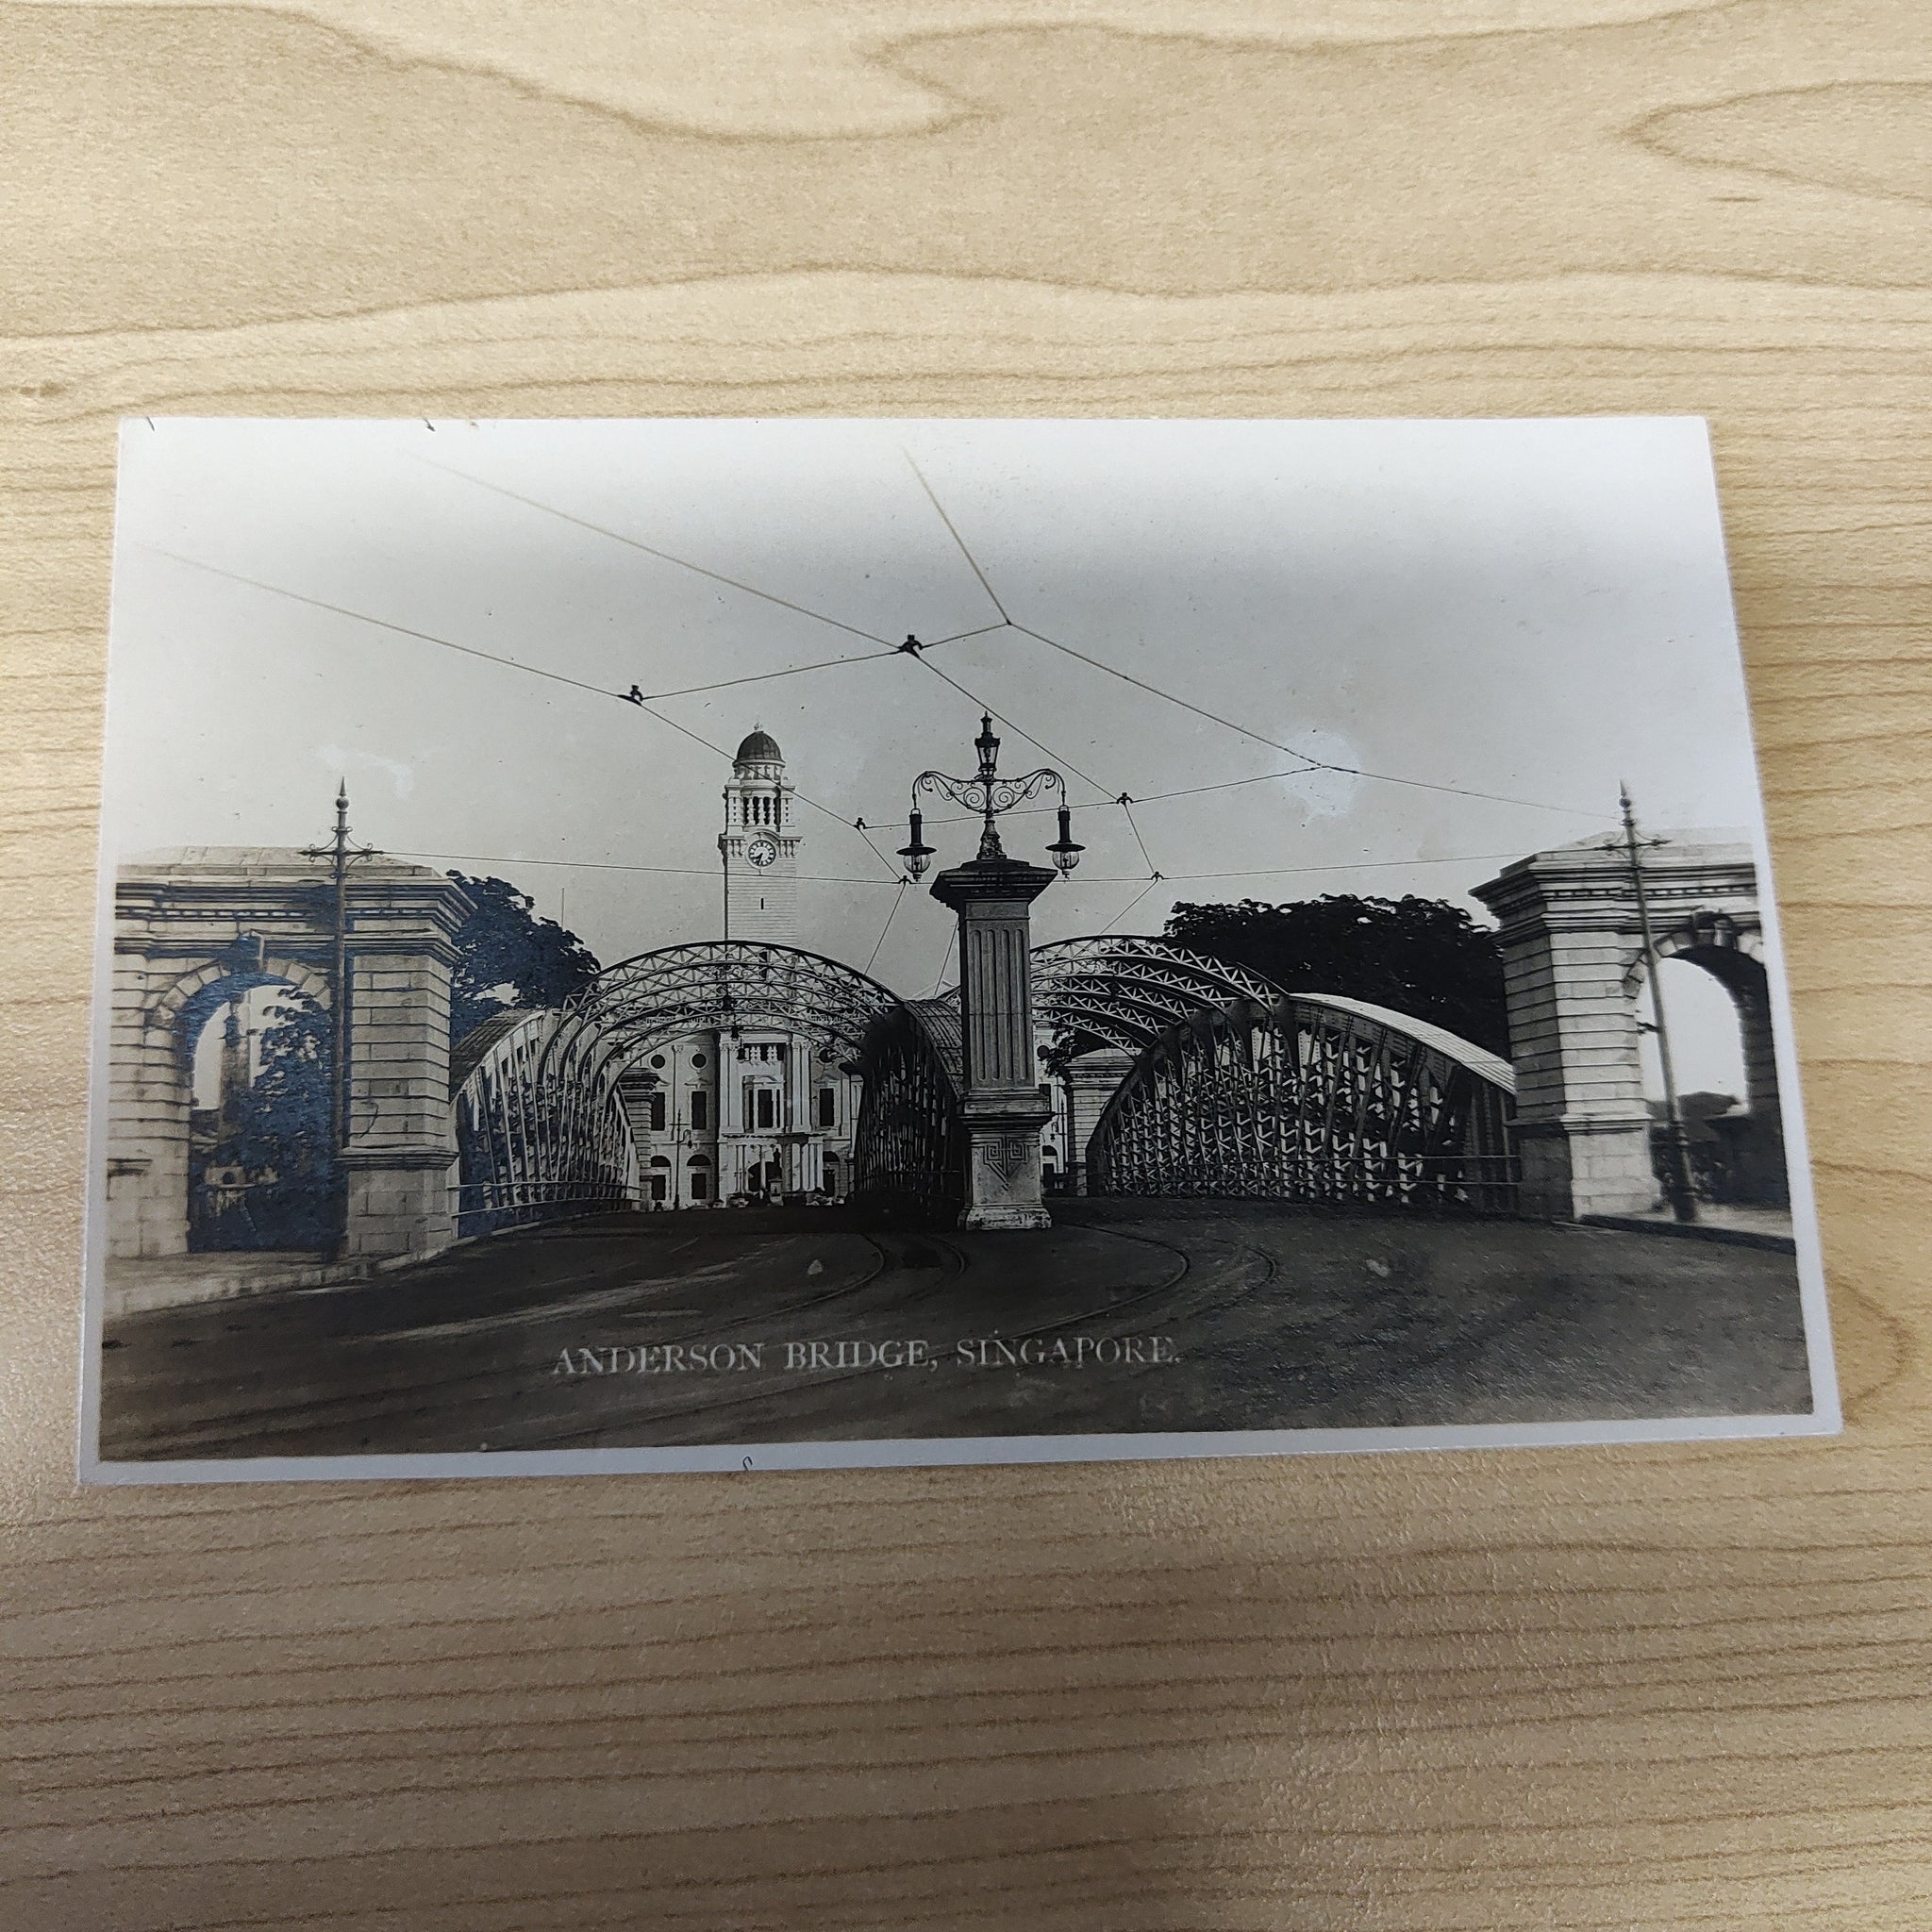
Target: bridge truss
[[1235, 1088], [909, 1149], [1310, 1097], [528, 1149], [1128, 991], [541, 1126]]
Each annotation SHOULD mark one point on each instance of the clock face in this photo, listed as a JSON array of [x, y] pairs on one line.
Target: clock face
[[761, 852]]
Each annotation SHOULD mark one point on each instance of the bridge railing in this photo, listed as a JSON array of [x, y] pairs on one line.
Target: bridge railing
[[485, 1207]]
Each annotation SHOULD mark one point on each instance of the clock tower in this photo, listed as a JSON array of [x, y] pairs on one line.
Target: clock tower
[[748, 1113], [760, 845]]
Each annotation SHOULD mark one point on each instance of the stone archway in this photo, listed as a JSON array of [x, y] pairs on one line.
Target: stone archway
[[187, 922], [1574, 966], [1733, 955]]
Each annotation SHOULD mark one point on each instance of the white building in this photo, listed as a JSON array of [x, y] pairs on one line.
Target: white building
[[747, 1114]]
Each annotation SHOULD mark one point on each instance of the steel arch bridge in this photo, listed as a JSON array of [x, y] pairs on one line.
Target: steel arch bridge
[[529, 1149], [1240, 1088], [1235, 1088], [1128, 991], [541, 1130], [716, 985], [1310, 1097]]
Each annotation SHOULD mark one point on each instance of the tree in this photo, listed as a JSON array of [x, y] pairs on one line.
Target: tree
[[508, 957], [276, 1132], [1423, 957]]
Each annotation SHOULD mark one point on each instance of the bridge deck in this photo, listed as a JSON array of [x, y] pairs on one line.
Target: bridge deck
[[1273, 1317]]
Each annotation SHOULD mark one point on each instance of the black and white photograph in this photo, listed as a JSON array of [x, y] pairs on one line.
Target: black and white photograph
[[655, 945]]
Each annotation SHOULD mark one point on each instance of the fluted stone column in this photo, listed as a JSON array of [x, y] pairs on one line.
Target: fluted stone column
[[1004, 1106]]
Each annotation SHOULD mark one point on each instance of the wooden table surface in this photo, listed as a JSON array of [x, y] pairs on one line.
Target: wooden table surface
[[1658, 1687]]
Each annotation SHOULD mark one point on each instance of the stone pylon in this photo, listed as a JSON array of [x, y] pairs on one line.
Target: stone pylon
[[194, 927], [1002, 1106], [1092, 1079], [1574, 966]]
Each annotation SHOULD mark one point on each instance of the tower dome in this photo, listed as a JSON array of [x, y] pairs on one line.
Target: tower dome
[[760, 748]]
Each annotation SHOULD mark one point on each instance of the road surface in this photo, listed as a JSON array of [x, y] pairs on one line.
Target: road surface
[[729, 1327]]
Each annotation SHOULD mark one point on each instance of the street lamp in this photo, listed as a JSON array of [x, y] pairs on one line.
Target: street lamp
[[1001, 1104], [918, 853], [1064, 851], [988, 794]]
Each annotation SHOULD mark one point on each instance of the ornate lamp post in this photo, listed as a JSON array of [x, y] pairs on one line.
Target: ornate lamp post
[[1002, 1106]]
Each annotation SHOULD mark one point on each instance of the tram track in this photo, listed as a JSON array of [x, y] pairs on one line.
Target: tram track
[[485, 1387], [1099, 1314], [491, 1391]]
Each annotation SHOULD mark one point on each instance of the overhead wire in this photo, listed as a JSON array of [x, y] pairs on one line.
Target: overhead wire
[[1125, 800], [645, 702], [637, 702], [1126, 807], [650, 549], [1269, 872], [945, 960], [1087, 778], [986, 584], [1073, 880], [688, 691], [236, 577], [891, 913], [1137, 797], [1309, 762], [973, 563], [1142, 684], [706, 871], [1147, 888]]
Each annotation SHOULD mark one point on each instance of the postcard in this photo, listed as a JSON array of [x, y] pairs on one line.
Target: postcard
[[657, 945]]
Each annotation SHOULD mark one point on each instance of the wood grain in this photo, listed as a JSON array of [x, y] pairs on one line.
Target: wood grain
[[1668, 1686]]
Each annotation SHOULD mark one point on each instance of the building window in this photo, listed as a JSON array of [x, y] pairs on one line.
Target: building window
[[701, 1111], [660, 1188], [828, 1107], [767, 1110], [657, 1113], [700, 1186]]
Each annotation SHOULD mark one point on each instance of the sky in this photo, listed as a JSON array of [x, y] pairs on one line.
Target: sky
[[1509, 616]]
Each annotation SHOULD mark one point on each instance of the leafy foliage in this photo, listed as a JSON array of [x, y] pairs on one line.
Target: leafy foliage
[[508, 957], [276, 1132], [1424, 957]]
